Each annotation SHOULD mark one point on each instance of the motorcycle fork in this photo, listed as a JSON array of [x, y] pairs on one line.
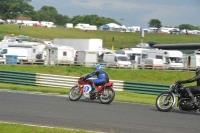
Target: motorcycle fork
[[80, 88], [168, 98]]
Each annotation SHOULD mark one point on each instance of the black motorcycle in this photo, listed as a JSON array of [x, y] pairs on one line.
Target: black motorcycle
[[167, 100]]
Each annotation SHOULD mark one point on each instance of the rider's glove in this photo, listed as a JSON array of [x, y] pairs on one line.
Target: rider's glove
[[179, 81], [84, 79]]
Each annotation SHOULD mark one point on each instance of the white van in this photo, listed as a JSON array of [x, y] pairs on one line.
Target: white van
[[117, 60], [22, 53]]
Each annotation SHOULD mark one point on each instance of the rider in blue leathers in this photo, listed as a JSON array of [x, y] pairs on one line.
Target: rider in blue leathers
[[102, 78]]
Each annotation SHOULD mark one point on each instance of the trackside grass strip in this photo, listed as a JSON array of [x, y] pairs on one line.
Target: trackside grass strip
[[18, 128]]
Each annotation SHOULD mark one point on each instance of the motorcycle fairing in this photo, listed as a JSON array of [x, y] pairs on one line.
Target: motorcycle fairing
[[86, 90]]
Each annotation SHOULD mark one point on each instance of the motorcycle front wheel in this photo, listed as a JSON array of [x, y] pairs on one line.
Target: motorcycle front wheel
[[75, 94], [165, 101], [108, 95]]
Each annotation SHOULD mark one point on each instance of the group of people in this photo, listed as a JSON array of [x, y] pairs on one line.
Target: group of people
[[102, 79]]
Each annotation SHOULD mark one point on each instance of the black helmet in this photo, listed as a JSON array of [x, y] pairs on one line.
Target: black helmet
[[197, 69]]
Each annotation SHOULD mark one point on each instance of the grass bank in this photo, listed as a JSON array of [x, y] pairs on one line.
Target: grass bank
[[120, 39]]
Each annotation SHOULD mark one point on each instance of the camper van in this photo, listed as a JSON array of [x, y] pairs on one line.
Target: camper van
[[117, 60], [172, 58], [133, 54]]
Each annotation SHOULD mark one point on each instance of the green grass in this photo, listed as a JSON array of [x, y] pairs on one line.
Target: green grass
[[18, 128], [19, 87], [121, 39]]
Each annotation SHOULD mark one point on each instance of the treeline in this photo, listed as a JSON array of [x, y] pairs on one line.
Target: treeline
[[12, 9], [49, 13]]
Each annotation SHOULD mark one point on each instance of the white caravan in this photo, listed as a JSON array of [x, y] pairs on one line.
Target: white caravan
[[151, 63], [48, 24], [59, 54], [191, 62], [171, 58], [117, 60], [91, 57], [133, 54]]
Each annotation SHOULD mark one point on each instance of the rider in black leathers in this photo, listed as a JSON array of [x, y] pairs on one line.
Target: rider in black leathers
[[192, 89]]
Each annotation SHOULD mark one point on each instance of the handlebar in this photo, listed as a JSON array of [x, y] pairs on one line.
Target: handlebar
[[82, 80]]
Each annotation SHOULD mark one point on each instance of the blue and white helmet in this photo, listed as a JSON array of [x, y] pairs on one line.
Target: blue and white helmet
[[97, 67]]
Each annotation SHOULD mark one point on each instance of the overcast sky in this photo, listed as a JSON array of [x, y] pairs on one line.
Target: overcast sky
[[133, 12]]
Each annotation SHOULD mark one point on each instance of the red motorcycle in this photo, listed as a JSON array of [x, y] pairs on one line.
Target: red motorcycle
[[105, 93]]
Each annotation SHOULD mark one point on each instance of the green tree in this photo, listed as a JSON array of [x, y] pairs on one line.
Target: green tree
[[188, 26], [62, 20], [155, 23], [77, 19], [47, 13], [92, 20], [11, 9]]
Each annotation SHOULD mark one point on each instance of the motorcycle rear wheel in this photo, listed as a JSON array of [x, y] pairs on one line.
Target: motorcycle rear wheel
[[108, 95], [165, 101], [75, 94]]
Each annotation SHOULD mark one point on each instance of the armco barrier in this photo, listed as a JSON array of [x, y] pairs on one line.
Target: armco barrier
[[145, 88], [67, 81], [14, 77], [49, 80]]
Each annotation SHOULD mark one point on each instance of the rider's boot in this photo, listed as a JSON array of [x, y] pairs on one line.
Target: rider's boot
[[193, 100], [94, 90]]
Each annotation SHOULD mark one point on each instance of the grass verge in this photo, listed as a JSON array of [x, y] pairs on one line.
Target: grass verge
[[120, 96], [19, 128]]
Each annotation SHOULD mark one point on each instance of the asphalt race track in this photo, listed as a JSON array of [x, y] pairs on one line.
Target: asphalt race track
[[90, 115]]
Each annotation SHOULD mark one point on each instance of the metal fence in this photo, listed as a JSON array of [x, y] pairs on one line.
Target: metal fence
[[89, 64], [48, 80], [145, 88]]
